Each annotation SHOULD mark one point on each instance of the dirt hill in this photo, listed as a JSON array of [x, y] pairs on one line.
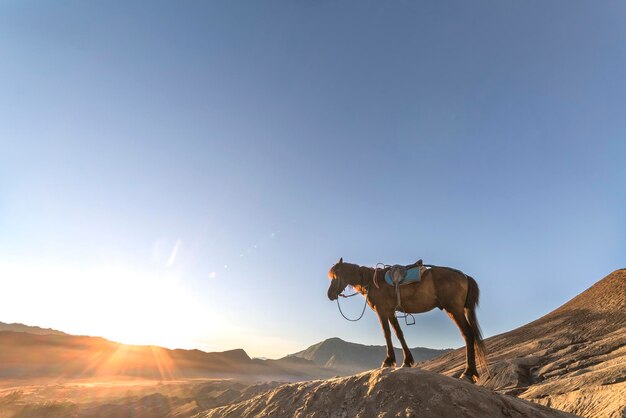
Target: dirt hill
[[350, 358], [387, 392], [573, 358]]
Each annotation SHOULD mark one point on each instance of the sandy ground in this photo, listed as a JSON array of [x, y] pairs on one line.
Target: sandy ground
[[123, 398], [399, 392]]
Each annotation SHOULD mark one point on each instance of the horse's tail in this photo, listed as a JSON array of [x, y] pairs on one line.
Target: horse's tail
[[471, 303]]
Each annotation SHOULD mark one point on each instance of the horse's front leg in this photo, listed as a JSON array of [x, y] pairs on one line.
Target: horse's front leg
[[391, 355], [408, 357]]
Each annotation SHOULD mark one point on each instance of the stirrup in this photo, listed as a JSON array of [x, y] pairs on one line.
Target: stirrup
[[404, 315]]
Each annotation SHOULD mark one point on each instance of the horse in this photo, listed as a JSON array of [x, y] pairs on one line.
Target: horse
[[439, 287]]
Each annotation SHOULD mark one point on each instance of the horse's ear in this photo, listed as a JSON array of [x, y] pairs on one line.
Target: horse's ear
[[340, 260]]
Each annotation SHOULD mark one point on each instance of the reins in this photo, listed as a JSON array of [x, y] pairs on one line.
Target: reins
[[405, 316], [398, 309], [349, 296]]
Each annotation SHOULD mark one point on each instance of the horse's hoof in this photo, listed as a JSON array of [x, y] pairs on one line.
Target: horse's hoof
[[407, 365], [388, 363], [468, 378]]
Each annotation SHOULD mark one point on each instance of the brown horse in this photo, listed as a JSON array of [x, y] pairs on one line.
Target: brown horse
[[439, 287]]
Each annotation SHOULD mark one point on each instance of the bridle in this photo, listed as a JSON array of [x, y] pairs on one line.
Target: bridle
[[367, 294]]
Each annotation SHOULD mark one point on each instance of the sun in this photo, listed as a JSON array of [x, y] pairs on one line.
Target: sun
[[151, 306], [147, 308]]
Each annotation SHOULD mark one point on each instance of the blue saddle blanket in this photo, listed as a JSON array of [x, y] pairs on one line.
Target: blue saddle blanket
[[411, 275]]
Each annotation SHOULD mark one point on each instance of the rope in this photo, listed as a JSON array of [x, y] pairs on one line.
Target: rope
[[364, 305], [349, 296], [384, 266], [399, 308]]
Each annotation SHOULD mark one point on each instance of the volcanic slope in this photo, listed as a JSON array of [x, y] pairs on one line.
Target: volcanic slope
[[573, 358], [400, 392]]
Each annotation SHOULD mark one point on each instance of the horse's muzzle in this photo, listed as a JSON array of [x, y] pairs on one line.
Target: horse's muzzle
[[335, 288]]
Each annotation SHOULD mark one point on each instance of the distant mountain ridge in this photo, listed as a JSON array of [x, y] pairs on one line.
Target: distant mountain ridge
[[24, 355], [17, 327], [349, 358], [31, 351]]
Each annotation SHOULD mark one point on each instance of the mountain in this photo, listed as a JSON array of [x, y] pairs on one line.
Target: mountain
[[26, 328], [573, 358], [350, 358], [400, 392], [27, 356], [32, 352]]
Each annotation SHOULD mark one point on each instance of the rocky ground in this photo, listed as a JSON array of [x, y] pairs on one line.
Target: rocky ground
[[399, 392]]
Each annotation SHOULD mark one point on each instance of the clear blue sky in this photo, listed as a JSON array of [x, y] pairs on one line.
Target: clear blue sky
[[185, 173]]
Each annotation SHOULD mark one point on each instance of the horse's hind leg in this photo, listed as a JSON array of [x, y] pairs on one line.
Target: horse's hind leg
[[408, 357], [468, 335]]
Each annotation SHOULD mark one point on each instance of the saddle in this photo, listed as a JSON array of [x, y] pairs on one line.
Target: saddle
[[399, 275]]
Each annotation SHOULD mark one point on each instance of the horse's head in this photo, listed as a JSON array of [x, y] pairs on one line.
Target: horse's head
[[341, 275]]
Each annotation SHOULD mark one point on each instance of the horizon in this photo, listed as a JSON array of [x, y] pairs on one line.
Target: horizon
[[184, 175], [230, 349]]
